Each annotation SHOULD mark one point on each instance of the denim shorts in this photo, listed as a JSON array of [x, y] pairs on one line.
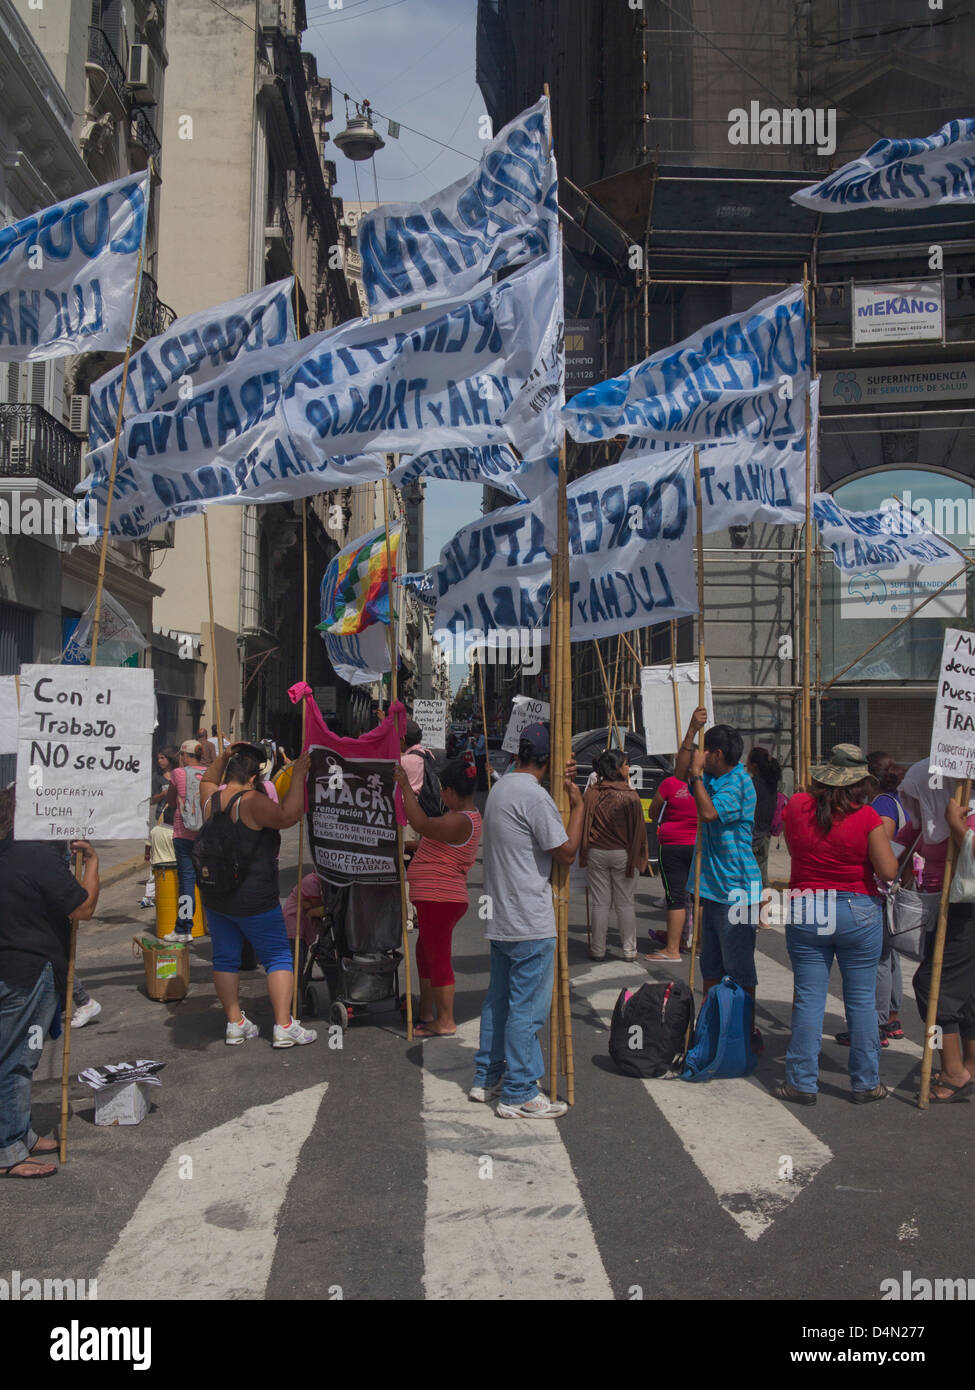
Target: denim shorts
[[727, 948]]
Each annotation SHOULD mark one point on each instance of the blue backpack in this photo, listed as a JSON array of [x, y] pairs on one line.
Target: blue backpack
[[722, 1044]]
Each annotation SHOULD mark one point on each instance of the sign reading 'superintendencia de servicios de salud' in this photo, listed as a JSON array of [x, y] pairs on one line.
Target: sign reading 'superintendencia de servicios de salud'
[[84, 753]]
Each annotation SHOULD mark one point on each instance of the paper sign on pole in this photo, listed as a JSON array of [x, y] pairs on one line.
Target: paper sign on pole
[[431, 715], [523, 713], [8, 714], [659, 714], [84, 754], [953, 730]]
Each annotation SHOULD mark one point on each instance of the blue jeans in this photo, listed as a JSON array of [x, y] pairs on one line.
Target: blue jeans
[[25, 1017], [518, 1000], [727, 945], [186, 876], [855, 943]]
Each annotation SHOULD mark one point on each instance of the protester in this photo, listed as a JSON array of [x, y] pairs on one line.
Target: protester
[[837, 844], [956, 997], [438, 887], [730, 878], [214, 742], [39, 898], [481, 762], [766, 777], [613, 851], [523, 834], [312, 912], [252, 912], [893, 817], [184, 795], [415, 756], [208, 750], [167, 760], [674, 811]]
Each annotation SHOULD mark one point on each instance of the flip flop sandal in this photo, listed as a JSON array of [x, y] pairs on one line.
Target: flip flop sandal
[[49, 1146], [28, 1177], [428, 1032], [959, 1093]]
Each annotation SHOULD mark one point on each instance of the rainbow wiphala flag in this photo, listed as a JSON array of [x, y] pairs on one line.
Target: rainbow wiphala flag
[[361, 595]]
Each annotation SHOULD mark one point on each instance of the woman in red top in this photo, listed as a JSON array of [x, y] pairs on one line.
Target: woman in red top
[[838, 844], [438, 887], [675, 812]]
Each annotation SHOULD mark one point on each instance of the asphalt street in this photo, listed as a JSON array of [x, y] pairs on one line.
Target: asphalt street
[[356, 1168]]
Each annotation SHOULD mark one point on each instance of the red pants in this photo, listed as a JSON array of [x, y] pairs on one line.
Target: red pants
[[435, 924]]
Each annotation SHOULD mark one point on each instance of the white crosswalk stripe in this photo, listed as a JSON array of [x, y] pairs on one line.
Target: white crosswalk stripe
[[505, 1218], [212, 1235]]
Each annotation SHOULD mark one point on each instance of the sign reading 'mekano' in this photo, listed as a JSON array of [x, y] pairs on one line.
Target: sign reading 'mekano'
[[898, 311]]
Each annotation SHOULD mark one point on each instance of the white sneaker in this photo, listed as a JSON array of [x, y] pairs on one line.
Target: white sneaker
[[538, 1108], [184, 936], [239, 1032], [483, 1094], [85, 1013], [293, 1036]]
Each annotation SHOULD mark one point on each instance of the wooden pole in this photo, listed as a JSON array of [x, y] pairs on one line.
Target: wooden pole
[[107, 521], [304, 725], [610, 715], [673, 681], [392, 638], [565, 642], [702, 688], [95, 627], [555, 684], [218, 718], [480, 677], [963, 792], [807, 583]]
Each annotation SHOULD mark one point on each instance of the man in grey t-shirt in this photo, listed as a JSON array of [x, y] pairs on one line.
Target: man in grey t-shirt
[[523, 834]]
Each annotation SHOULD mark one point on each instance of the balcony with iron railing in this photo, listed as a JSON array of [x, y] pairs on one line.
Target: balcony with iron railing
[[102, 55], [35, 445], [278, 231], [153, 316], [142, 135]]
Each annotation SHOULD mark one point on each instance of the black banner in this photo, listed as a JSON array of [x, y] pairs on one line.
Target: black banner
[[351, 818]]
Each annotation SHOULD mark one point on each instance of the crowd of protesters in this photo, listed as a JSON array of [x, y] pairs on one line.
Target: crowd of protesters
[[860, 827]]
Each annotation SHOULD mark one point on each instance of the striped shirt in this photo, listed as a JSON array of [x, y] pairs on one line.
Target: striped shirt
[[727, 860], [438, 872]]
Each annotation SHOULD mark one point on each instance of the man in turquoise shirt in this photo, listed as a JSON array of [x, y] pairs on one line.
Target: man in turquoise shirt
[[730, 876]]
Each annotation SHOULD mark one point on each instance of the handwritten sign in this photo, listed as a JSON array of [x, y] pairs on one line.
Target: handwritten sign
[[8, 714], [351, 818], [659, 713], [524, 712], [84, 753], [431, 715], [953, 730]]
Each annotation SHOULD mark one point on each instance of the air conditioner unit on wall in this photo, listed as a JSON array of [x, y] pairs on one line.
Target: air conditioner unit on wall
[[141, 77], [78, 415]]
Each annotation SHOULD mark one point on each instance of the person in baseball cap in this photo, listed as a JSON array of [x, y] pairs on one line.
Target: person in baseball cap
[[523, 834]]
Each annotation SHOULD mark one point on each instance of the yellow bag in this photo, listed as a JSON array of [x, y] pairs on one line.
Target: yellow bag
[[282, 782]]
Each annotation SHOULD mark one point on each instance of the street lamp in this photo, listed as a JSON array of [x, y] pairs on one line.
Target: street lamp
[[358, 140]]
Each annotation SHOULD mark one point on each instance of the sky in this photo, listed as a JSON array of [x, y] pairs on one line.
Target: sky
[[414, 61]]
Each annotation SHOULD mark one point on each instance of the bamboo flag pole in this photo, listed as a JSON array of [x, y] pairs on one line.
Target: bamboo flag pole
[[807, 581], [610, 715], [218, 718], [304, 725], [480, 677], [555, 684], [702, 688], [565, 711], [963, 792], [673, 681], [95, 626], [393, 639]]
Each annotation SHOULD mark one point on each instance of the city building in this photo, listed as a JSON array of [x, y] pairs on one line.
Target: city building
[[677, 213]]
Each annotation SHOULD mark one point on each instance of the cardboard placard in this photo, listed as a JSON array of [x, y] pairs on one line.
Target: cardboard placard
[[953, 729], [351, 818], [659, 715], [524, 711], [431, 715], [84, 752]]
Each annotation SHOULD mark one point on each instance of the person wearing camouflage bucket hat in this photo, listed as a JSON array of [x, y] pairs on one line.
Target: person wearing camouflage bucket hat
[[847, 765]]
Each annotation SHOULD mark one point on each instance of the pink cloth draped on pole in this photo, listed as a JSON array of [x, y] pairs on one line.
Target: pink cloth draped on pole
[[382, 742]]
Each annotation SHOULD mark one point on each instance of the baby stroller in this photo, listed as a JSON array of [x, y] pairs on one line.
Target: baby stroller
[[356, 955]]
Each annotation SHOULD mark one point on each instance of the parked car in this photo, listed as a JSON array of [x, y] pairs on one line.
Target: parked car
[[647, 770]]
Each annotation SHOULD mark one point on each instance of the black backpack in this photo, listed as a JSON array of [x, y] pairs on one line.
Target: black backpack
[[429, 794], [649, 1028], [217, 859]]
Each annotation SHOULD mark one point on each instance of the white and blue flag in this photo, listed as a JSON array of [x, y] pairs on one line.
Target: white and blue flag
[[631, 557], [502, 214], [67, 273], [891, 536], [491, 465], [906, 174], [744, 376]]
